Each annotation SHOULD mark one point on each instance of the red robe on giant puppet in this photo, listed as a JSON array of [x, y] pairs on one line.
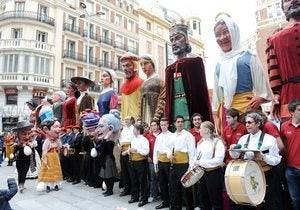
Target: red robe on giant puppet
[[284, 60], [192, 72]]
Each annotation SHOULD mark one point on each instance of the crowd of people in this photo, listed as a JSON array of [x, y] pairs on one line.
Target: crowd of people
[[165, 130]]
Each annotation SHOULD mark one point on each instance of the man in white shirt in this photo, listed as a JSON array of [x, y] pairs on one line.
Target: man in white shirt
[[162, 149], [181, 158], [124, 143], [267, 157], [139, 166]]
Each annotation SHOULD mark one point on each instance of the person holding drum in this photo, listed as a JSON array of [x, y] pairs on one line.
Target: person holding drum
[[181, 159], [210, 156], [263, 149]]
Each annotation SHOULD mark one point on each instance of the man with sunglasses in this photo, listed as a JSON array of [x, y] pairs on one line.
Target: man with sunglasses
[[267, 157]]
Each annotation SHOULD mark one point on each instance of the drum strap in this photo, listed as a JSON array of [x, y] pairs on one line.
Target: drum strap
[[260, 141]]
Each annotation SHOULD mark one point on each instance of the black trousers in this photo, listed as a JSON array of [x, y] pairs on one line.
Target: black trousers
[[125, 172], [211, 189], [177, 191], [22, 168], [273, 197], [75, 166], [139, 181], [164, 180], [65, 166]]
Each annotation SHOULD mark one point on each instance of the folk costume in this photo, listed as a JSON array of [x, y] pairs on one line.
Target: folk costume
[[283, 54], [186, 86], [131, 91], [239, 76], [183, 152], [264, 142], [162, 149], [211, 153]]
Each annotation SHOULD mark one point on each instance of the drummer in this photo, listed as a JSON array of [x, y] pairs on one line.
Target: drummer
[[210, 155], [267, 156]]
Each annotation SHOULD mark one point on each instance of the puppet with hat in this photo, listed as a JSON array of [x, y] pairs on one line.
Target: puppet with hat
[[84, 101], [131, 88], [23, 151]]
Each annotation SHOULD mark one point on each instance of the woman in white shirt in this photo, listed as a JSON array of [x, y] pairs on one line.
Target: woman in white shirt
[[210, 156]]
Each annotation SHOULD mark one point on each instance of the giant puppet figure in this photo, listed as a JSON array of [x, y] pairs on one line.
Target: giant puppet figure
[[186, 89], [240, 81], [131, 88], [84, 101], [284, 60]]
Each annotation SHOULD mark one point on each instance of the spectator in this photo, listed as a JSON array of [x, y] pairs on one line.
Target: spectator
[[6, 195]]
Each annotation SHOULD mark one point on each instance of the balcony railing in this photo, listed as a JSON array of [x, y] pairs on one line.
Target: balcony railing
[[21, 78], [79, 57], [133, 50], [106, 64], [93, 36], [106, 40], [72, 28], [28, 15], [26, 44]]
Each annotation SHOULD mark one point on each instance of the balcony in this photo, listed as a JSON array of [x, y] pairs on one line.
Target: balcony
[[93, 36], [11, 44], [106, 64], [133, 50], [27, 15], [11, 78], [120, 45], [106, 40], [72, 28], [79, 57]]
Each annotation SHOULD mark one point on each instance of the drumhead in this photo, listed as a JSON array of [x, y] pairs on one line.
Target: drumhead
[[255, 182], [245, 182]]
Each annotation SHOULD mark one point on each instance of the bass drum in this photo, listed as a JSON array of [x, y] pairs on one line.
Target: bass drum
[[245, 182]]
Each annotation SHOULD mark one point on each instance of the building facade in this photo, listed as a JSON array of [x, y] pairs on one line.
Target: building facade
[[154, 24], [43, 43], [269, 18]]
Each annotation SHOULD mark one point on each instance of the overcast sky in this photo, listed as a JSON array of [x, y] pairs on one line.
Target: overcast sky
[[243, 11]]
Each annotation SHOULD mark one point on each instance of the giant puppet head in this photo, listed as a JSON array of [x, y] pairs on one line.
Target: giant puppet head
[[129, 65], [179, 40], [90, 119], [291, 9], [108, 124]]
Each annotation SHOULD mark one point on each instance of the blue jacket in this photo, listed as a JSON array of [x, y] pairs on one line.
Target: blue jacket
[[6, 195]]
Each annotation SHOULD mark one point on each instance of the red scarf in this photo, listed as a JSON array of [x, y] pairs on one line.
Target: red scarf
[[131, 85]]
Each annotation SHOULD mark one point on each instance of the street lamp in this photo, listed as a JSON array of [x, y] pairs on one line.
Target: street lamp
[[88, 15]]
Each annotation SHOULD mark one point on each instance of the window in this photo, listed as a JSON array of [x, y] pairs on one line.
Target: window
[[119, 40], [119, 62], [42, 66], [194, 25], [159, 31], [148, 26], [72, 22], [161, 56], [71, 49], [270, 11], [105, 36], [11, 63], [91, 53], [106, 14], [149, 47], [118, 20], [105, 58], [41, 36], [26, 64], [43, 11], [89, 7], [130, 25], [199, 28], [11, 98], [131, 46], [119, 3], [16, 33], [19, 6], [0, 34], [69, 74], [278, 9]]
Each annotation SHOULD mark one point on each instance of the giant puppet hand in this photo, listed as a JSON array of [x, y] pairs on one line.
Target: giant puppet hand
[[275, 110]]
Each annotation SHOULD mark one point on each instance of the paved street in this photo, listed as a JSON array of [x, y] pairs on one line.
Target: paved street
[[70, 197]]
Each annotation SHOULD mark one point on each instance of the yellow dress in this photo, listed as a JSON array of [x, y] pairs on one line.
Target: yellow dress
[[50, 170]]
